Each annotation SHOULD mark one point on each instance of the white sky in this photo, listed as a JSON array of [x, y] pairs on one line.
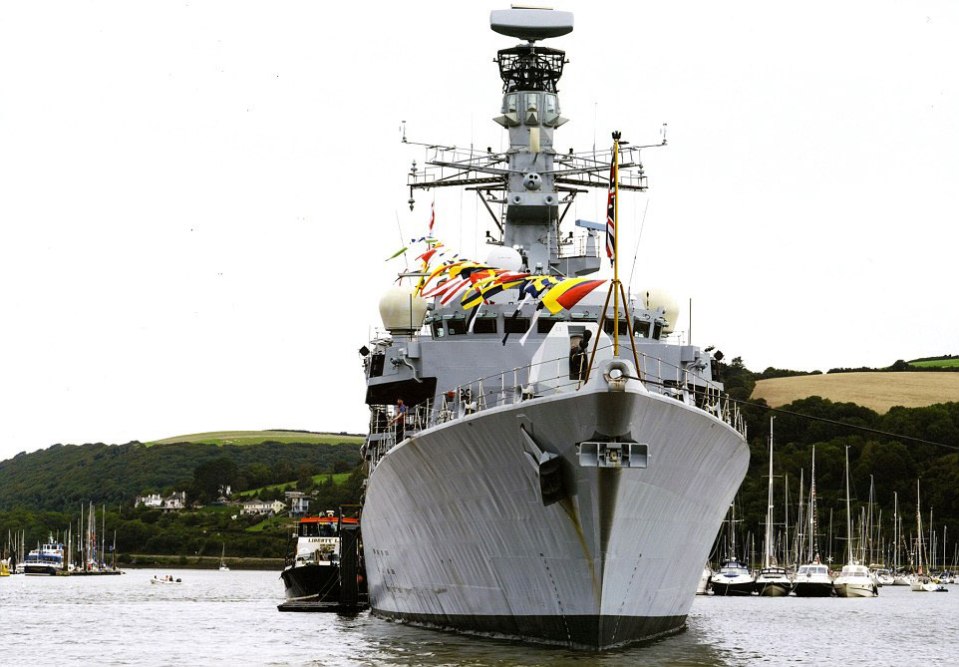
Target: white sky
[[196, 198]]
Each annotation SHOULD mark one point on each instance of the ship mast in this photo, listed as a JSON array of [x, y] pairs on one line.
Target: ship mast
[[533, 183]]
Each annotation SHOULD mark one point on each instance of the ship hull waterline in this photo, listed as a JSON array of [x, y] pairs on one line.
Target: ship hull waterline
[[457, 534]]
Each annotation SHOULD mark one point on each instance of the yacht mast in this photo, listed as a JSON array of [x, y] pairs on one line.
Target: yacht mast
[[768, 557], [895, 531], [848, 513], [800, 522], [919, 550], [812, 550]]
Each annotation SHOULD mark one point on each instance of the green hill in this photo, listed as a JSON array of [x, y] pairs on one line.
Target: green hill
[[259, 437], [63, 476]]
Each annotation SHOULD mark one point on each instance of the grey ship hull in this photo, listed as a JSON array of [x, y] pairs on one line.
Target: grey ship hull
[[457, 535]]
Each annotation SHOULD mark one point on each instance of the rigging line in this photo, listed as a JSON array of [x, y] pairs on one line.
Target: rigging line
[[399, 228], [595, 111], [642, 225], [898, 436]]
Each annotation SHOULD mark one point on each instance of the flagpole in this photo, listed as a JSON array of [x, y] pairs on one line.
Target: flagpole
[[615, 286]]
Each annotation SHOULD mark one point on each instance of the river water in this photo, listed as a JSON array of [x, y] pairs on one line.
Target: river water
[[230, 618]]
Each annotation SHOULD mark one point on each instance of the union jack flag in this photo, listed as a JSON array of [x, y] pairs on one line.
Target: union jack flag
[[611, 215]]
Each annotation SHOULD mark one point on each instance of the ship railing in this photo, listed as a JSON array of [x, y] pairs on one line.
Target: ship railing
[[513, 386], [447, 166], [576, 246]]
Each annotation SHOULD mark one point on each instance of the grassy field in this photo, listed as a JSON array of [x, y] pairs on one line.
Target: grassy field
[[876, 391], [936, 363], [338, 478], [257, 437]]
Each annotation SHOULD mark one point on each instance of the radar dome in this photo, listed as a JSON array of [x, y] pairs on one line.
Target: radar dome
[[401, 311], [657, 298], [504, 257]]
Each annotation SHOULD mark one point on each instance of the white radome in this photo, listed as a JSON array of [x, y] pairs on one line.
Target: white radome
[[400, 310]]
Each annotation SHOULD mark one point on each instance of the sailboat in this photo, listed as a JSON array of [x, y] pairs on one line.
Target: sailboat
[[899, 577], [879, 570], [812, 578], [772, 580], [734, 577], [223, 565], [923, 583], [855, 580]]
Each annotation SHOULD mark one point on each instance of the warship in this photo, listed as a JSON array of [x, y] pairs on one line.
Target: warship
[[544, 462]]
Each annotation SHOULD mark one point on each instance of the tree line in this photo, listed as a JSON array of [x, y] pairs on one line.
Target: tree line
[[887, 452], [38, 498], [62, 477]]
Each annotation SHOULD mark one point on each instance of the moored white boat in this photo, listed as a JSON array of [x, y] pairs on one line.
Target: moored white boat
[[772, 580], [223, 566], [813, 580], [901, 579], [925, 584], [883, 576], [46, 559], [855, 580], [921, 581], [733, 578]]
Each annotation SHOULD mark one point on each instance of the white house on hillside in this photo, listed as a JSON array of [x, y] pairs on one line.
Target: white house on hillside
[[270, 507], [299, 503], [175, 501]]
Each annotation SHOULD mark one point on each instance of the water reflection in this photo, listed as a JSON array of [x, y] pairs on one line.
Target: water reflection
[[372, 641]]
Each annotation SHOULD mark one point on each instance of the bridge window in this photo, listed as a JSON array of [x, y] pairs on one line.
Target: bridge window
[[608, 327], [518, 325], [484, 325], [545, 324], [456, 326], [641, 328]]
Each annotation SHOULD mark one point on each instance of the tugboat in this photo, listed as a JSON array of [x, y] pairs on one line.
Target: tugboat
[[318, 563], [542, 463]]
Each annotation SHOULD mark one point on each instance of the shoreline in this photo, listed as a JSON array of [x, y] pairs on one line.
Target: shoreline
[[147, 561]]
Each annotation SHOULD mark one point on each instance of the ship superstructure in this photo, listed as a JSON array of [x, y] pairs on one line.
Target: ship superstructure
[[557, 470]]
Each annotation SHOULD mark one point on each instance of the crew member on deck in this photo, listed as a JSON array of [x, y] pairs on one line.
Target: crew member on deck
[[399, 419], [577, 357]]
